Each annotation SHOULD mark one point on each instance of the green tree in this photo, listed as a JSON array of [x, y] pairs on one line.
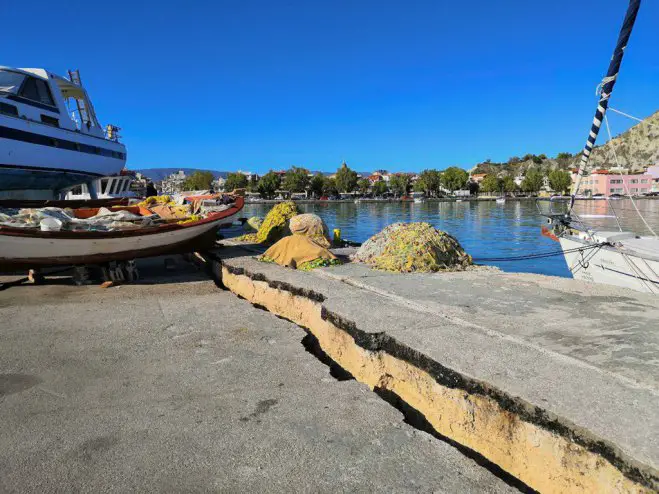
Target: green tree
[[490, 184], [560, 181], [296, 180], [380, 188], [563, 156], [316, 185], [269, 184], [198, 181], [454, 178], [346, 179], [253, 183], [430, 182], [235, 181], [329, 187], [508, 184], [532, 181], [399, 184], [363, 185]]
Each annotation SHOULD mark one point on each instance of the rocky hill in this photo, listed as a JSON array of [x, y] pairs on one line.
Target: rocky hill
[[635, 148]]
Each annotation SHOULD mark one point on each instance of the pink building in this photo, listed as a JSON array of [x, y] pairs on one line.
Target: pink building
[[653, 171], [603, 182]]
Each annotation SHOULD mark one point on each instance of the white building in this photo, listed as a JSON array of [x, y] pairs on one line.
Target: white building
[[173, 183]]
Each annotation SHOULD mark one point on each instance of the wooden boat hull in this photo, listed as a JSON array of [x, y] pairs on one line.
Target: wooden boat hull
[[28, 249]]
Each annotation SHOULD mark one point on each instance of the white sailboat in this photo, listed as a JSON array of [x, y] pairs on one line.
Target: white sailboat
[[50, 137], [621, 257]]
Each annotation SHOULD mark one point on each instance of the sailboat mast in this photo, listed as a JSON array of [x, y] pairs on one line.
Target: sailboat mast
[[606, 88]]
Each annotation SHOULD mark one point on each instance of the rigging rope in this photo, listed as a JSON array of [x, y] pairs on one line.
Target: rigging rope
[[633, 117], [540, 255], [624, 184]]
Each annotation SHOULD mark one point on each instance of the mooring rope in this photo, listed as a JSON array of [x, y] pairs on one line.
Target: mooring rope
[[540, 255]]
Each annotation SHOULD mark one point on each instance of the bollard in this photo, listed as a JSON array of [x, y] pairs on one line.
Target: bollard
[[337, 238]]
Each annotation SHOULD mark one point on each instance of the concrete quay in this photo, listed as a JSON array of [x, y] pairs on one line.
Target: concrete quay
[[171, 384], [553, 380]]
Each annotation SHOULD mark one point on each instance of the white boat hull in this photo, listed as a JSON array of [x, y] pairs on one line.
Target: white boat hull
[[32, 155], [611, 266]]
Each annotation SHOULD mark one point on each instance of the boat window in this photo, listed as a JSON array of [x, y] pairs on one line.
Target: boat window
[[29, 89], [10, 82], [77, 190], [104, 185], [50, 120], [44, 93], [37, 90], [7, 109]]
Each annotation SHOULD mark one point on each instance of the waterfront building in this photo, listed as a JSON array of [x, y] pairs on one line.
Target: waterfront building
[[173, 183], [653, 171], [477, 178], [606, 183], [379, 176]]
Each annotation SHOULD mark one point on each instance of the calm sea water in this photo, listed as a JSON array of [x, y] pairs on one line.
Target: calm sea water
[[485, 229]]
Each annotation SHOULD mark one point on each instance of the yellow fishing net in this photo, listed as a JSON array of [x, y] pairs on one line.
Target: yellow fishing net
[[413, 247], [275, 224], [154, 200]]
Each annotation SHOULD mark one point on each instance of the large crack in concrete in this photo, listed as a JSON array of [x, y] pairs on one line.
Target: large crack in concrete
[[544, 451]]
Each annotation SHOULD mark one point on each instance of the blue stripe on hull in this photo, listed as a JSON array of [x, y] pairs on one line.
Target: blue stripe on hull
[[22, 179]]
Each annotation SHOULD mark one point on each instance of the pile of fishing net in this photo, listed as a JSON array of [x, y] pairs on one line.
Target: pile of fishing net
[[413, 247], [253, 224], [275, 225], [56, 219], [306, 248], [156, 200], [152, 211]]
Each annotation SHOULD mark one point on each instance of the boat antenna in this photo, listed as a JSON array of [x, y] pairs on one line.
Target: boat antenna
[[604, 90]]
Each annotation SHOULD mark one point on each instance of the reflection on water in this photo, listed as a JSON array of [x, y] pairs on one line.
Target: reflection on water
[[485, 229], [625, 212]]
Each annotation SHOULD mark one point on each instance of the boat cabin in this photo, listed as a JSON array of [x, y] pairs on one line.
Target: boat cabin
[[43, 97]]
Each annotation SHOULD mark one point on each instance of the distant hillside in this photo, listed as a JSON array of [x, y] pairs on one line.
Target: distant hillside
[[157, 174], [635, 148]]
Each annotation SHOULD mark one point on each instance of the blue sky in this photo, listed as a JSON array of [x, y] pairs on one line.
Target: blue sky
[[396, 85]]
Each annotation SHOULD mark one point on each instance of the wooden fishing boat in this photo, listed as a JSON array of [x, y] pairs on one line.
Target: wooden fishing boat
[[31, 248]]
